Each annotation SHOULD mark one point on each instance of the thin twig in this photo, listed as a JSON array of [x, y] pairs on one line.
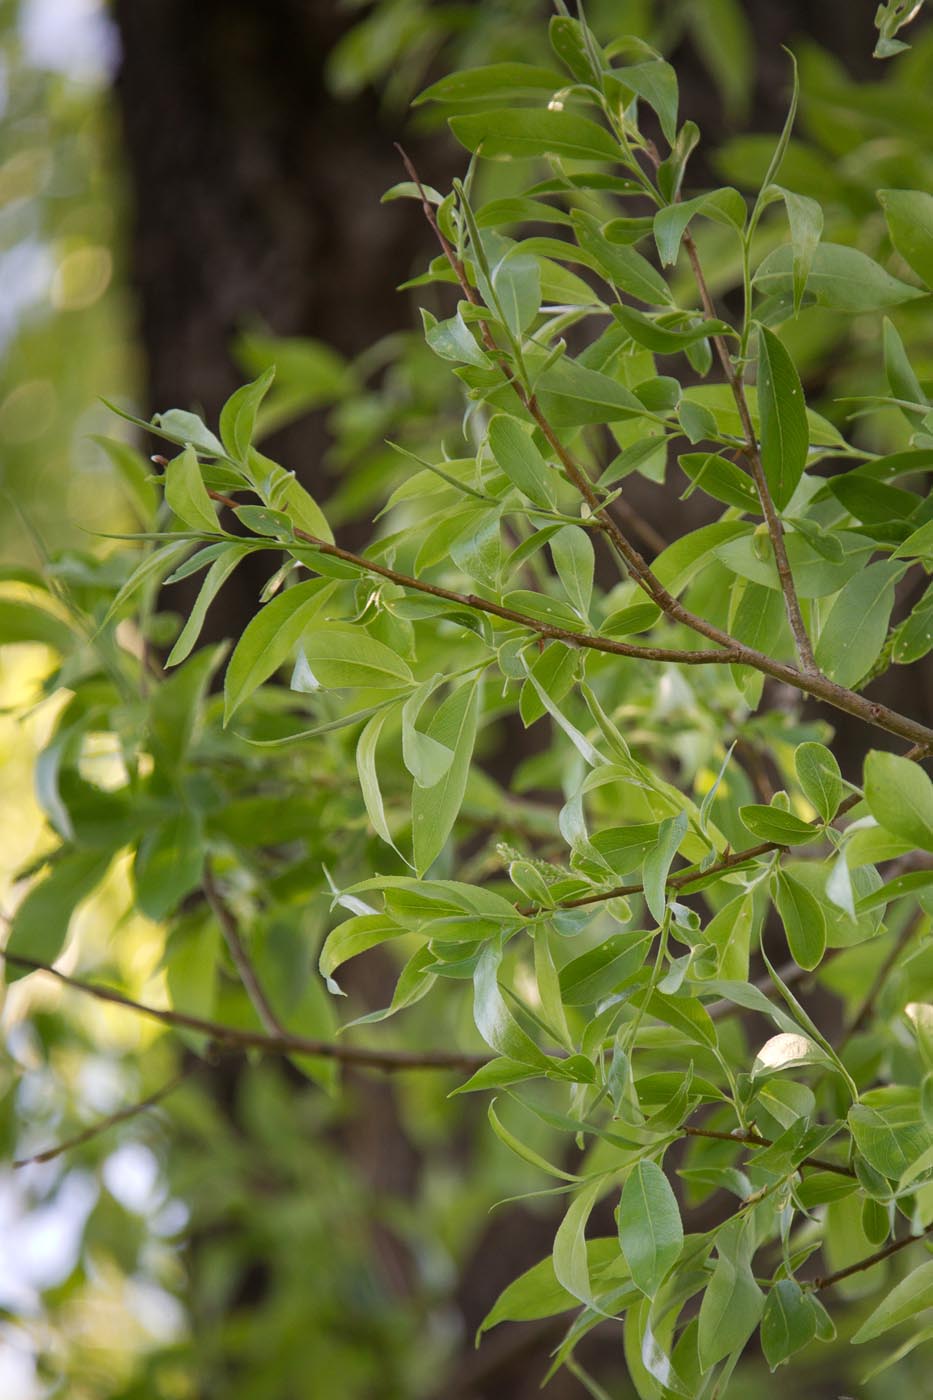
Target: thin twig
[[861, 1265], [105, 1124], [754, 1140], [284, 1044], [241, 958]]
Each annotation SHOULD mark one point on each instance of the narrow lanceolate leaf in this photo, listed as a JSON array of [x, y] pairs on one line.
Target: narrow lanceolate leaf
[[910, 1297], [731, 1308], [855, 630], [434, 809], [910, 222], [215, 578], [650, 1230], [900, 797], [186, 493], [366, 747], [658, 863], [784, 430], [571, 1265], [844, 279], [529, 133], [574, 560], [803, 920], [238, 415], [346, 658], [270, 638], [521, 461], [774, 824]]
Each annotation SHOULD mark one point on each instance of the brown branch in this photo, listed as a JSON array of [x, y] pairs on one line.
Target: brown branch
[[473, 602], [753, 456], [894, 1247], [807, 680], [284, 1044], [753, 1140], [104, 1124], [728, 862], [241, 959]]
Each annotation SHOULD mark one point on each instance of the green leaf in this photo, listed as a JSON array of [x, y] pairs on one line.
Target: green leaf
[[819, 776], [890, 1140], [571, 1258], [910, 222], [186, 493], [803, 920], [186, 428], [732, 1304], [726, 206], [788, 1323], [496, 80], [529, 134], [572, 395], [369, 779], [269, 638], [342, 657], [494, 1020], [522, 1150], [169, 864], [536, 1293], [452, 339], [354, 936], [900, 798], [855, 630], [658, 863], [521, 461], [238, 415], [426, 760], [841, 278], [621, 265], [902, 381], [656, 83], [40, 924], [772, 824], [516, 284], [662, 339], [602, 970], [805, 217], [575, 561], [650, 1231], [784, 431], [912, 1295], [215, 578], [434, 809]]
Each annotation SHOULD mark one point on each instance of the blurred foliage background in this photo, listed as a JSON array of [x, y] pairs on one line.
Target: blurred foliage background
[[188, 193]]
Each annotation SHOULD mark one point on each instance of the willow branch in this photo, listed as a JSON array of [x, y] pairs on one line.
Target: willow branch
[[754, 1140], [861, 1265], [807, 680], [241, 958], [753, 456], [105, 1124], [283, 1044], [730, 861]]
